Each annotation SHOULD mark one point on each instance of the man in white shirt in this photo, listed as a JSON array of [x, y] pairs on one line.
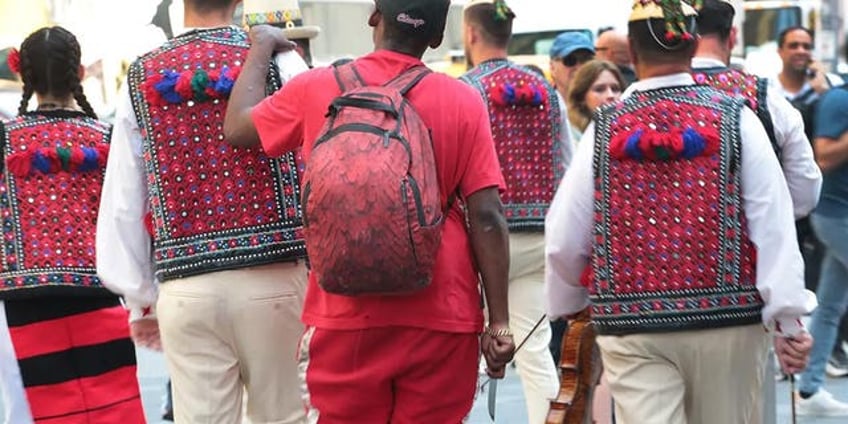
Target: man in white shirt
[[674, 226], [782, 122], [223, 230]]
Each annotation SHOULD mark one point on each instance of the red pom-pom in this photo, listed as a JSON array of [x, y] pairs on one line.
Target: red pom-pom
[[498, 95], [618, 145], [13, 60], [687, 36], [77, 158], [150, 93], [148, 223], [20, 163], [670, 36], [676, 142], [183, 87], [53, 157]]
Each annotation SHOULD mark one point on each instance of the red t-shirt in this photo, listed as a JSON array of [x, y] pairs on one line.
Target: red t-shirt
[[465, 157]]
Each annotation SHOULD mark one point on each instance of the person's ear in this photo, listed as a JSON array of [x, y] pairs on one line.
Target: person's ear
[[81, 72], [374, 19], [634, 59], [734, 32], [437, 40]]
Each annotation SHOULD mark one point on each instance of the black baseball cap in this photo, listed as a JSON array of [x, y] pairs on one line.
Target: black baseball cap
[[423, 17]]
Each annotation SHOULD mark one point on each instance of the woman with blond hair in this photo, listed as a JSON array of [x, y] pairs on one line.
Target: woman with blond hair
[[596, 82]]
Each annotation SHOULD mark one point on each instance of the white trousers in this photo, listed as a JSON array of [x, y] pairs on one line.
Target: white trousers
[[228, 331], [526, 307], [687, 377]]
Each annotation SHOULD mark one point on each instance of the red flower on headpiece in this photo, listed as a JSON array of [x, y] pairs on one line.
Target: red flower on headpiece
[[13, 60]]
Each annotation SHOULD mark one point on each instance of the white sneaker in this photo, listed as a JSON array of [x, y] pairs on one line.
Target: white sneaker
[[822, 404]]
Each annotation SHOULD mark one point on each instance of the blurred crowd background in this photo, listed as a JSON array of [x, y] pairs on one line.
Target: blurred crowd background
[[112, 33]]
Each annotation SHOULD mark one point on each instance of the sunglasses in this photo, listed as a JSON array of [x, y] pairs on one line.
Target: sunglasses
[[577, 58]]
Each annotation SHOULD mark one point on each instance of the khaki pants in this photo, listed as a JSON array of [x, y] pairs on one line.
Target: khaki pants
[[526, 306], [695, 377], [230, 331]]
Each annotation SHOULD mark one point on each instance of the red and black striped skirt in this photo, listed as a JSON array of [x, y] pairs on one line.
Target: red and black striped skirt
[[75, 359]]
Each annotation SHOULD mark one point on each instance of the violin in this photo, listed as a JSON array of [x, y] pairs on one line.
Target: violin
[[580, 365]]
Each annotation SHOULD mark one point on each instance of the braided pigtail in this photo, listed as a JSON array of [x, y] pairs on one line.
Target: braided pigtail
[[26, 76], [50, 62], [82, 101]]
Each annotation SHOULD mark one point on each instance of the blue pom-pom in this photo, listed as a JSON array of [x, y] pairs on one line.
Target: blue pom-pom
[[693, 143], [509, 94], [225, 84], [537, 96], [40, 162], [90, 159], [632, 145], [167, 87]]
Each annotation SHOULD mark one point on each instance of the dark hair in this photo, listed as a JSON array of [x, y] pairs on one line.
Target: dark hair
[[781, 37], [205, 6], [50, 61], [649, 41], [496, 30], [716, 18], [535, 69]]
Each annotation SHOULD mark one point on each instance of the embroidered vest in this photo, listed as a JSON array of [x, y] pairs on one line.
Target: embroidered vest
[[750, 87], [526, 125], [214, 207], [53, 165], [670, 250]]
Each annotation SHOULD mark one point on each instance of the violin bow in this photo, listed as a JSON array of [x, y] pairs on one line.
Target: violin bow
[[493, 383], [792, 396]]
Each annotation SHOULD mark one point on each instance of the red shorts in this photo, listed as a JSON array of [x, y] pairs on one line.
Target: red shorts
[[395, 375]]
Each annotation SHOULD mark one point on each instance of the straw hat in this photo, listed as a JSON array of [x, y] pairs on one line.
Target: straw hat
[[285, 14]]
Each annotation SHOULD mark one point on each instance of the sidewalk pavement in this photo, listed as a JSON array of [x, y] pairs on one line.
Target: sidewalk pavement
[[510, 399]]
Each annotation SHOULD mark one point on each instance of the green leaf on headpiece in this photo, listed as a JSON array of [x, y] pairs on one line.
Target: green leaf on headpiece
[[502, 11]]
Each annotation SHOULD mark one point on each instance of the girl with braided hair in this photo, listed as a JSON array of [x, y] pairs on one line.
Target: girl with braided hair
[[49, 62], [65, 348]]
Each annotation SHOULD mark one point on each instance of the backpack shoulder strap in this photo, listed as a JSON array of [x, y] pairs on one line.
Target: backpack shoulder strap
[[347, 77], [407, 79]]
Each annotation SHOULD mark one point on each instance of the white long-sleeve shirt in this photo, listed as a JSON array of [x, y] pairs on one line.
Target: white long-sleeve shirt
[[802, 174], [124, 261], [766, 202]]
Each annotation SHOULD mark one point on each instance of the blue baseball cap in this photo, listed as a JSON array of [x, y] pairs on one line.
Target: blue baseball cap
[[569, 42]]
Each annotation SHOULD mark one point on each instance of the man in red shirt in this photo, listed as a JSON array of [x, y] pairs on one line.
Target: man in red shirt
[[410, 358]]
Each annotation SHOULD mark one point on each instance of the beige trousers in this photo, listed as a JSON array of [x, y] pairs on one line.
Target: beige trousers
[[231, 331], [535, 364], [695, 377]]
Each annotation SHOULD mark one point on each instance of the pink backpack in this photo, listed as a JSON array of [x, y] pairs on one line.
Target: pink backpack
[[372, 212]]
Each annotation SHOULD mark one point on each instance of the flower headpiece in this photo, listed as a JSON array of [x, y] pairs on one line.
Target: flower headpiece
[[675, 13], [13, 60], [502, 10]]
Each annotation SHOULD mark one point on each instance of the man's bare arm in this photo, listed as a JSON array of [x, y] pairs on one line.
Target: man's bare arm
[[831, 153], [249, 89], [490, 243]]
